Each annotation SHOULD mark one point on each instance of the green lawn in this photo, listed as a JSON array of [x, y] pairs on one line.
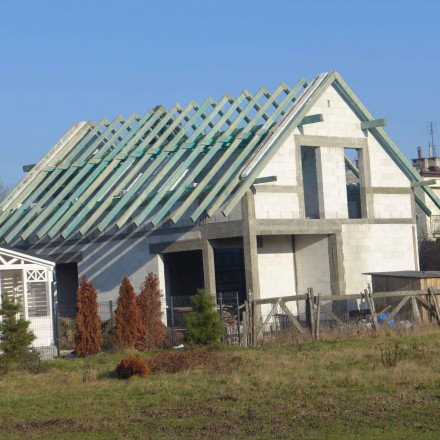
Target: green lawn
[[323, 390]]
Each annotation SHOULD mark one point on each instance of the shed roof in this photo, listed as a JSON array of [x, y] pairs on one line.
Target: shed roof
[[143, 170], [408, 274]]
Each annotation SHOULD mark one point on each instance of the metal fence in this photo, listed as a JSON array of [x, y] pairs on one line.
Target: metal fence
[[56, 333], [227, 306]]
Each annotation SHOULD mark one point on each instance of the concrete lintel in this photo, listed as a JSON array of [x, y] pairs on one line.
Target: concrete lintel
[[330, 141], [300, 226], [176, 246], [388, 190], [276, 189], [222, 229]]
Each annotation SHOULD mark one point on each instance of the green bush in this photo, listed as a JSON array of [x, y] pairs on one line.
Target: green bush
[[203, 324], [15, 336]]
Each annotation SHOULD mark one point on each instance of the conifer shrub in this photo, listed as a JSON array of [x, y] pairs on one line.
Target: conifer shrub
[[132, 366], [203, 325], [150, 309], [15, 336], [88, 335], [129, 329]]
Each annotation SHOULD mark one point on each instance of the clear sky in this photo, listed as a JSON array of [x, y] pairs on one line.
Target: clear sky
[[63, 62]]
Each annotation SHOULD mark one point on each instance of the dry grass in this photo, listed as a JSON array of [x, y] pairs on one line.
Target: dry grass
[[337, 388]]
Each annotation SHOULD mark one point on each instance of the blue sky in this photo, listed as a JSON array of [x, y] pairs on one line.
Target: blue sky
[[63, 62]]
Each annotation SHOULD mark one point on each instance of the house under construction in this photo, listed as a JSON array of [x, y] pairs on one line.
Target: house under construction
[[269, 193]]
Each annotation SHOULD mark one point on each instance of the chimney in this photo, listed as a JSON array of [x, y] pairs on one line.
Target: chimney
[[419, 152]]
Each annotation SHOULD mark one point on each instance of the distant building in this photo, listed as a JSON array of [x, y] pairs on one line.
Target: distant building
[[428, 223]]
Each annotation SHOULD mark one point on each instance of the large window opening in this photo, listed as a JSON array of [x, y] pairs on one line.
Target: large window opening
[[353, 182], [310, 182], [229, 272], [67, 286]]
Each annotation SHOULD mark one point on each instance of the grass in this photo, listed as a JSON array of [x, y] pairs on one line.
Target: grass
[[329, 389]]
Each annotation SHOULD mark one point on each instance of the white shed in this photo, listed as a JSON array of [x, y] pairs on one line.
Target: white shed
[[29, 279]]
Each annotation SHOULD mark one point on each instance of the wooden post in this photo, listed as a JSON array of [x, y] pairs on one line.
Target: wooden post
[[436, 308], [318, 316], [311, 317], [246, 324], [415, 310], [372, 309]]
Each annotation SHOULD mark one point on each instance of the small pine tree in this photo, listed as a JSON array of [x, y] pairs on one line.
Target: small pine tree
[[129, 330], [15, 336], [150, 308], [88, 335], [203, 324]]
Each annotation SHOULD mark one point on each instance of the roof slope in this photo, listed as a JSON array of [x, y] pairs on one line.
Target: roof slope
[[198, 159]]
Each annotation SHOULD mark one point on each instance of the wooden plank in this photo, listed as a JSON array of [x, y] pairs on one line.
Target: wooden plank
[[219, 192], [436, 308], [269, 317], [273, 142], [311, 119], [331, 314], [366, 125], [202, 160], [311, 304], [380, 135], [129, 171], [43, 196], [318, 317], [291, 317], [372, 308], [415, 309], [396, 310], [84, 181], [208, 198]]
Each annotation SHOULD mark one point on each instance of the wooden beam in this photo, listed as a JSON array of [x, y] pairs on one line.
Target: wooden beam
[[27, 168], [366, 125], [312, 119], [265, 179], [423, 183]]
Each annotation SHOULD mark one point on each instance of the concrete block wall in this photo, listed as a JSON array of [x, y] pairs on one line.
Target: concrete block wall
[[283, 164], [276, 205], [106, 264], [392, 206], [339, 119], [375, 248], [332, 183]]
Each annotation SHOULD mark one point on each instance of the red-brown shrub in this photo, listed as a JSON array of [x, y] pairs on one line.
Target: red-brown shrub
[[129, 329], [150, 308], [132, 366], [88, 335]]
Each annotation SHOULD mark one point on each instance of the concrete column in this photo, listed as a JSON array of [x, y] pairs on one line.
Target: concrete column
[[208, 267], [337, 276], [250, 245], [367, 210]]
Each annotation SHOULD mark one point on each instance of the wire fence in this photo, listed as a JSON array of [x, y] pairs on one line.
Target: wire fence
[[56, 332]]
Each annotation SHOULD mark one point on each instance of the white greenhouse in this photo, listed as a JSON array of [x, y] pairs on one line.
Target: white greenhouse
[[29, 280]]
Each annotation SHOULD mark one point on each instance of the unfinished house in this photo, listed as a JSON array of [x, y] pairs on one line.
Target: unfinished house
[[270, 193]]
